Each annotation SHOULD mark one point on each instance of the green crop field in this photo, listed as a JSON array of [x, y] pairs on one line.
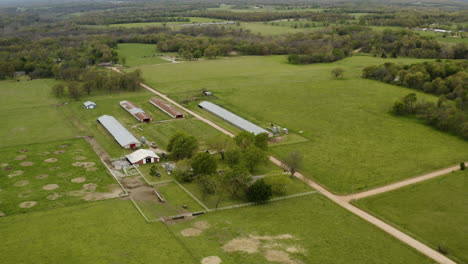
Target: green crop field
[[101, 232], [353, 142], [308, 229], [47, 175], [29, 114], [435, 212], [139, 54]]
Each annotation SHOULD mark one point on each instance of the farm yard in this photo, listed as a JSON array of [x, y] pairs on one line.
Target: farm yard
[[336, 116], [435, 211]]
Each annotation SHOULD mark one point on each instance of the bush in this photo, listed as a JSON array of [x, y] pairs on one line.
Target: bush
[[259, 192], [204, 163], [279, 184], [462, 166], [182, 146]]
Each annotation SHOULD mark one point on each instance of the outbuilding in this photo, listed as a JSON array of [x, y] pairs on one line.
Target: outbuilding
[[89, 105], [119, 132], [136, 111], [142, 156], [166, 108]]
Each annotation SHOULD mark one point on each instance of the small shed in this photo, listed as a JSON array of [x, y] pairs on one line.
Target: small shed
[[89, 105], [142, 156]]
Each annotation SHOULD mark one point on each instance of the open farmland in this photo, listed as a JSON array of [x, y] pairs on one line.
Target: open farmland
[[308, 229], [353, 142], [139, 54], [29, 114], [434, 211]]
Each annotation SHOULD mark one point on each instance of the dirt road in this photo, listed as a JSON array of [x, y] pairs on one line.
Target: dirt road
[[341, 201]]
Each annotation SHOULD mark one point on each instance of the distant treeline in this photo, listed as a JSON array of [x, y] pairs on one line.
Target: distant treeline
[[414, 18], [270, 16]]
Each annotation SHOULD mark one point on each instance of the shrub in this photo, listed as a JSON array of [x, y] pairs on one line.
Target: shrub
[[462, 166], [279, 184], [259, 192]]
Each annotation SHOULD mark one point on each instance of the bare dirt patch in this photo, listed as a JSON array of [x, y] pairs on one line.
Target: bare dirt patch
[[3, 165], [2, 214], [27, 204], [23, 150], [78, 180], [85, 164], [211, 260], [27, 163], [90, 187], [131, 183], [59, 151], [202, 225], [79, 158], [50, 187], [54, 196], [21, 183], [51, 160], [24, 194], [15, 173], [279, 256], [21, 157], [284, 236], [248, 245], [190, 232], [96, 196], [42, 176], [295, 250]]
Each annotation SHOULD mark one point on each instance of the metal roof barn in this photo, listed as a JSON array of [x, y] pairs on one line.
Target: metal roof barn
[[89, 105], [232, 118], [166, 107], [119, 132], [137, 112], [142, 156]]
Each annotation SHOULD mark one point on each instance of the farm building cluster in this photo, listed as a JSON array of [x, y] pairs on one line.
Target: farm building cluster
[[232, 118]]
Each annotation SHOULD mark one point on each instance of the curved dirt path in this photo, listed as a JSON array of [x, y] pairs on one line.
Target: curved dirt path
[[342, 201]]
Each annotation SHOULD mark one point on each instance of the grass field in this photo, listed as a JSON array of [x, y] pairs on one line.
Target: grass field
[[353, 142], [26, 170], [309, 229], [99, 232], [139, 54], [434, 211], [29, 114], [162, 24]]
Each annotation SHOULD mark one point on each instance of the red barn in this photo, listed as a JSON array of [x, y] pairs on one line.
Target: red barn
[[142, 156]]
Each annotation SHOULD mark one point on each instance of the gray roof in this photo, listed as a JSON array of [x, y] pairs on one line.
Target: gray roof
[[88, 103], [232, 118], [119, 132]]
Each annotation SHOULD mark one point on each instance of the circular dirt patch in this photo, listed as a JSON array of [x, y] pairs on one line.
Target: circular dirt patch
[[211, 260], [27, 204], [21, 183], [89, 186], [51, 160], [42, 176], [23, 150], [59, 151], [50, 187], [91, 169], [247, 245], [80, 158], [27, 163], [14, 174], [3, 165], [21, 157], [64, 146], [202, 225], [24, 194], [79, 180], [278, 256], [2, 214], [54, 196], [44, 153], [190, 232], [54, 168]]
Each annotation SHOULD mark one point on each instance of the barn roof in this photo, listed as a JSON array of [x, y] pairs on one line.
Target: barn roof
[[141, 154], [119, 132], [232, 118], [166, 107], [137, 112], [88, 103]]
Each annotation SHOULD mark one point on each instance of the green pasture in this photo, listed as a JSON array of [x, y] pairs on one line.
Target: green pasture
[[164, 24], [137, 54], [353, 142], [30, 114], [26, 169], [308, 229], [101, 232], [434, 212]]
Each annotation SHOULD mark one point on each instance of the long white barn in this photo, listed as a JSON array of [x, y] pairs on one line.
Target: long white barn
[[119, 132], [232, 118]]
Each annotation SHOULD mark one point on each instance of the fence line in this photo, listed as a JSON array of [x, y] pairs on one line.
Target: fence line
[[141, 174], [191, 195]]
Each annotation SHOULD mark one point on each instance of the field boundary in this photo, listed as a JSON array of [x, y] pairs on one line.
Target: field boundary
[[191, 195]]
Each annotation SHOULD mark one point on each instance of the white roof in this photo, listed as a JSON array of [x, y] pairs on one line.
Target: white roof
[[119, 132], [141, 154], [232, 118], [87, 103]]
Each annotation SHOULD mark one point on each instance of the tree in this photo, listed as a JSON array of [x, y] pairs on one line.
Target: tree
[[182, 146], [442, 100], [233, 156], [252, 157], [293, 161], [211, 52], [237, 179], [183, 171], [211, 185], [74, 90], [204, 163], [197, 54], [58, 90], [409, 100], [244, 139], [462, 166], [337, 73], [259, 192], [219, 144], [261, 141], [153, 171]]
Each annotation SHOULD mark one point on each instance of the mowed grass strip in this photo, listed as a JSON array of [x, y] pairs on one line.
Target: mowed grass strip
[[101, 232], [353, 142], [29, 113], [435, 211], [308, 229]]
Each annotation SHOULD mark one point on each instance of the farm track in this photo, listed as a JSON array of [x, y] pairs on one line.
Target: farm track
[[343, 201]]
